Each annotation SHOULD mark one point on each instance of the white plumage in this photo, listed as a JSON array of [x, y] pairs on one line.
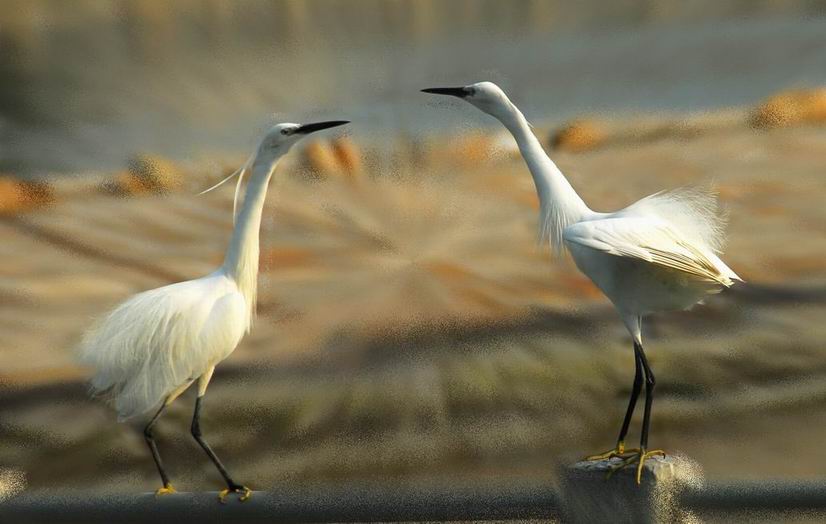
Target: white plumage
[[163, 338], [658, 254], [644, 264], [151, 348]]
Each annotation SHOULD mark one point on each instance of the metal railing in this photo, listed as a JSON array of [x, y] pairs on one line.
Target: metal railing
[[386, 504]]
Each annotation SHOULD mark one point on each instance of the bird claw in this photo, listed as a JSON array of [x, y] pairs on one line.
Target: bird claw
[[166, 490], [244, 492], [618, 451], [639, 457]]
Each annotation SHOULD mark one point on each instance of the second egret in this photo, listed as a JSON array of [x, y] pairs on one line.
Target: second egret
[[657, 254]]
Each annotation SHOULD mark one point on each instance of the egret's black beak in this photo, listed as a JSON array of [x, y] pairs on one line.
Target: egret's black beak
[[318, 126], [461, 92]]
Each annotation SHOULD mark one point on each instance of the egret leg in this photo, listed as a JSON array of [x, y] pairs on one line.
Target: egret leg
[[150, 441], [232, 486], [649, 395], [632, 401], [642, 454], [646, 419], [620, 450]]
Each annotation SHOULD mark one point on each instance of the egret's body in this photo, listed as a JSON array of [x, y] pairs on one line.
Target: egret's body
[[151, 353], [657, 254], [152, 347]]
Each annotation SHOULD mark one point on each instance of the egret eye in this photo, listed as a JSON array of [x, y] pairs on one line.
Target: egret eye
[[285, 131]]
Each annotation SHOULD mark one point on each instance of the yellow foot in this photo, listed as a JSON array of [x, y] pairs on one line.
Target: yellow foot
[[638, 457], [166, 490], [244, 492], [619, 451]]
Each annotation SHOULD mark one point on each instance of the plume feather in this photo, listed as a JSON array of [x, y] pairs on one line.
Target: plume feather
[[240, 174]]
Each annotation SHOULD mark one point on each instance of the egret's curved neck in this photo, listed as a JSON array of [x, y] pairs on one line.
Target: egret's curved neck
[[559, 203], [241, 262]]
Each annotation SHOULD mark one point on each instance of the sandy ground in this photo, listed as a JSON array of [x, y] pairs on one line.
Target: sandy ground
[[410, 329]]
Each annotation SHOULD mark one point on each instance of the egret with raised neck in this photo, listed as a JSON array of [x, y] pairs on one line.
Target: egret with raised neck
[[153, 346], [658, 254]]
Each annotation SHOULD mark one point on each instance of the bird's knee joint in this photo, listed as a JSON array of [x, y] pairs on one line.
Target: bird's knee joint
[[147, 433], [195, 429], [650, 381]]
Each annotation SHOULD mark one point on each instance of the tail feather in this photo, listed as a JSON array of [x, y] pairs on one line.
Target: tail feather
[[134, 351]]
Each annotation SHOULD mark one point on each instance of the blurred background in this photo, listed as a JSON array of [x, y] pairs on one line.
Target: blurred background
[[410, 329]]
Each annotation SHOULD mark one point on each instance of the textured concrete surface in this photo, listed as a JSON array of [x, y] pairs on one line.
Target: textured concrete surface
[[591, 495]]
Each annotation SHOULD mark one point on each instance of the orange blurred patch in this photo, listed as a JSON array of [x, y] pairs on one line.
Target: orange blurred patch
[[145, 174], [319, 159], [18, 196], [802, 106], [348, 155], [466, 151], [155, 173], [579, 135]]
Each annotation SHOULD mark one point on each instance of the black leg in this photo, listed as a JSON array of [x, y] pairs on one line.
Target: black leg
[[632, 402], [196, 432], [150, 441], [649, 396]]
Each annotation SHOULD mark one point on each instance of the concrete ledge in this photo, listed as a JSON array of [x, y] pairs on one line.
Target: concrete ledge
[[763, 497], [337, 505], [590, 496], [772, 501]]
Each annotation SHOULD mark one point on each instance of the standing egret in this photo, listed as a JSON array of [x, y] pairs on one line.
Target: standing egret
[[657, 254], [152, 347]]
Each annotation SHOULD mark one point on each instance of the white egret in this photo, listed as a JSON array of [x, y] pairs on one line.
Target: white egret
[[657, 254], [152, 347]]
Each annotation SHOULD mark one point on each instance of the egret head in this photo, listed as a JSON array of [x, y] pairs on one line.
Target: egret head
[[275, 144], [487, 96], [281, 137]]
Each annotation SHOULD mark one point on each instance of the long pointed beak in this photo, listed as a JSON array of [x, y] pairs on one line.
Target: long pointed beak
[[461, 92], [318, 126]]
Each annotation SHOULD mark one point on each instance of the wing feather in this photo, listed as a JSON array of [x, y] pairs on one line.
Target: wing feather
[[693, 211], [652, 240]]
